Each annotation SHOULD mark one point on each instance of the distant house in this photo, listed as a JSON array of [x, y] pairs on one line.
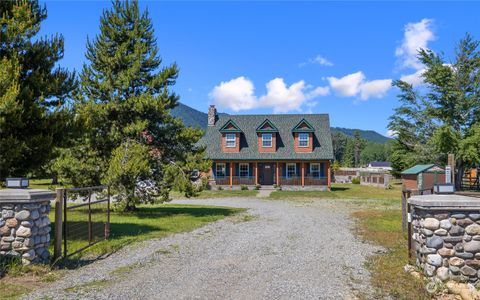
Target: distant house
[[283, 150], [382, 165]]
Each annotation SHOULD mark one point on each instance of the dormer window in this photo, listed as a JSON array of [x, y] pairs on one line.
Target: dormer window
[[230, 140], [303, 140], [266, 140]]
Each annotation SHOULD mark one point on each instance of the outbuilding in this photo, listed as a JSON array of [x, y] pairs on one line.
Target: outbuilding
[[422, 177]]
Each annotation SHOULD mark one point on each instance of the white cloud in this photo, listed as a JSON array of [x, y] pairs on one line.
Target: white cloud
[[416, 36], [238, 94], [391, 133], [282, 98], [319, 59], [355, 84], [414, 79], [348, 85], [318, 91], [375, 88]]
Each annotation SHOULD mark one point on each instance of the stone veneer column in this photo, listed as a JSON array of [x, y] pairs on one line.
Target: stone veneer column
[[446, 236], [25, 225]]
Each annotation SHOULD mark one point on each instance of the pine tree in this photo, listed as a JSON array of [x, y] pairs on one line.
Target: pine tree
[[435, 121], [33, 90], [125, 107]]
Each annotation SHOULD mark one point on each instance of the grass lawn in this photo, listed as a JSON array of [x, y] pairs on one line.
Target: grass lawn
[[384, 227], [150, 221], [42, 184], [344, 191]]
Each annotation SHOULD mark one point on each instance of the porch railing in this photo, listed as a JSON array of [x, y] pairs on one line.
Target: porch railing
[[222, 180], [236, 180], [291, 180], [310, 180], [243, 180]]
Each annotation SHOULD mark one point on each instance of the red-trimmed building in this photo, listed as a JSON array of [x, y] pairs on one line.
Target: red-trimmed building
[[291, 150]]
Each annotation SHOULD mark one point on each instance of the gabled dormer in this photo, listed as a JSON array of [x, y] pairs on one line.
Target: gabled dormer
[[303, 134], [230, 137], [267, 137]]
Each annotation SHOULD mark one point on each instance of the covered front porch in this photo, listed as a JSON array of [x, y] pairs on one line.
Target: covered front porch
[[269, 173]]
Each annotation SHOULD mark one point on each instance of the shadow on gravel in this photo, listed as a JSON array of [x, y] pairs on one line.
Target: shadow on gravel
[[149, 212]]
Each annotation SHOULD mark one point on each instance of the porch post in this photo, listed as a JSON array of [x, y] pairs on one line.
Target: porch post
[[256, 173], [328, 174], [303, 174], [231, 171], [278, 177]]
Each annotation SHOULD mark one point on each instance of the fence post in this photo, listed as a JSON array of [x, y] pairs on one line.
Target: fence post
[[57, 249], [404, 211]]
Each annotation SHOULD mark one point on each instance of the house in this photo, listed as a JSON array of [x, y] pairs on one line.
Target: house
[[269, 150], [381, 165]]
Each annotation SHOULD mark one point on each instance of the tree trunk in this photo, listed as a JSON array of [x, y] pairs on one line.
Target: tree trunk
[[130, 206]]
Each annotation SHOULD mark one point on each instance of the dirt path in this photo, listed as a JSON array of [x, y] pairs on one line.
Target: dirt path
[[279, 250]]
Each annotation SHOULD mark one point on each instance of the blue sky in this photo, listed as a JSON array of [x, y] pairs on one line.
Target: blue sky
[[286, 57]]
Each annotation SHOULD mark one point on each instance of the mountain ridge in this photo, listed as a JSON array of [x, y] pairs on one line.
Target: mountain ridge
[[195, 118]]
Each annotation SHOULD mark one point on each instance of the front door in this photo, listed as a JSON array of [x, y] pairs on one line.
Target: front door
[[266, 174]]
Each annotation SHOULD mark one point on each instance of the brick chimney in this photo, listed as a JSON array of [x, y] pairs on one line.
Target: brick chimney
[[212, 115]]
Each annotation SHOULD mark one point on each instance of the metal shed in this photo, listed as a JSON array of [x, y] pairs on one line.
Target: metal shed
[[422, 177]]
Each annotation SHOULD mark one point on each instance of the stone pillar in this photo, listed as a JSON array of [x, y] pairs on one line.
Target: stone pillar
[[25, 225], [446, 236]]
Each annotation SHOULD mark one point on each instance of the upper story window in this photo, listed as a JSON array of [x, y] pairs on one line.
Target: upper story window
[[266, 140], [220, 170], [315, 169], [243, 172], [230, 140], [303, 139]]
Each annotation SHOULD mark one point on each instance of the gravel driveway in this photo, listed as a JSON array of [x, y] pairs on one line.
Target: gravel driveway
[[277, 250]]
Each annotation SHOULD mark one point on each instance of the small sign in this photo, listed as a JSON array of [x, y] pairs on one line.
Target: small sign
[[409, 218], [448, 174], [267, 167], [420, 181]]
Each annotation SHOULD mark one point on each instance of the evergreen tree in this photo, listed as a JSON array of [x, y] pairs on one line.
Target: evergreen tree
[[348, 159], [431, 124], [33, 90], [358, 145], [339, 141], [129, 134]]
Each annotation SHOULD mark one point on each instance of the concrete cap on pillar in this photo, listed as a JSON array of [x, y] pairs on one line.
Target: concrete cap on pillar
[[26, 195]]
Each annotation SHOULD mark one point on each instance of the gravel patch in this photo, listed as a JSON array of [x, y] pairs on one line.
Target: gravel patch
[[277, 250]]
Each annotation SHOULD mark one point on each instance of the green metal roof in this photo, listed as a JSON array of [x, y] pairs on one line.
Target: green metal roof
[[417, 169], [248, 124]]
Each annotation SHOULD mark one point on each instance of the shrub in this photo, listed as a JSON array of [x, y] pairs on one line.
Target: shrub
[[257, 187], [244, 187], [356, 180], [220, 188]]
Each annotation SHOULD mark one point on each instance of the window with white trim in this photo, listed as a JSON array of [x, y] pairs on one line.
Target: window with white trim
[[303, 140], [230, 140], [220, 170], [315, 170], [266, 140], [291, 170], [243, 170]]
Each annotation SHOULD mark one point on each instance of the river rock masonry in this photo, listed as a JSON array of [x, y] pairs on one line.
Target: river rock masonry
[[25, 225], [446, 236]]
